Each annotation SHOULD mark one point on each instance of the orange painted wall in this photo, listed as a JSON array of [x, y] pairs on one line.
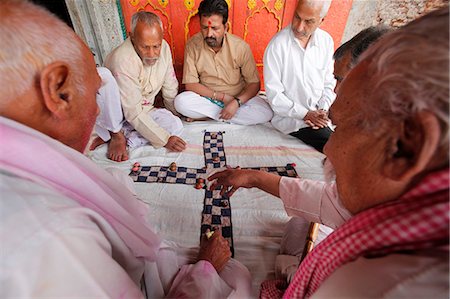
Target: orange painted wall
[[256, 21]]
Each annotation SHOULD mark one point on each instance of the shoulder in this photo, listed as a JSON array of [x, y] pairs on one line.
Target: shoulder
[[392, 276], [236, 40], [323, 37], [122, 57], [166, 52], [281, 39], [238, 45], [195, 42]]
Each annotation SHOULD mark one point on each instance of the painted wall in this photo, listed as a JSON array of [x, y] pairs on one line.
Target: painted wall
[[256, 21]]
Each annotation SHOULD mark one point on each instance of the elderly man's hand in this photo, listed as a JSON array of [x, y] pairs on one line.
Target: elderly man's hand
[[232, 178], [229, 110], [175, 144], [316, 119], [215, 250]]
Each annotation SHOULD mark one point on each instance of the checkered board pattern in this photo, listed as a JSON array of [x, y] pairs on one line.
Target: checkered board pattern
[[163, 174], [216, 214]]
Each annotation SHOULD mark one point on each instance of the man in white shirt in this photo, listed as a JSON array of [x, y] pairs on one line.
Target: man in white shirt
[[68, 228], [298, 75], [142, 66]]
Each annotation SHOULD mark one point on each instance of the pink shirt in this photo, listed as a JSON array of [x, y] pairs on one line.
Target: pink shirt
[[316, 201]]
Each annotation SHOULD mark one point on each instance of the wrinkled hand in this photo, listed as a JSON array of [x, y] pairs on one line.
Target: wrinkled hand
[[229, 110], [316, 119], [215, 250], [175, 144], [232, 178]]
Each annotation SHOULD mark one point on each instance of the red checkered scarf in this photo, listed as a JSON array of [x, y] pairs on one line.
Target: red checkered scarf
[[418, 220]]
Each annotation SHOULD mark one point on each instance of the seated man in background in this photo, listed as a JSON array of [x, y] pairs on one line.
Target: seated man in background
[[346, 56], [220, 73], [142, 67], [298, 75], [68, 228], [390, 155]]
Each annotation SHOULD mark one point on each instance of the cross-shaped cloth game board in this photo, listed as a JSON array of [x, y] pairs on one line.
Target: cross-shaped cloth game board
[[216, 214]]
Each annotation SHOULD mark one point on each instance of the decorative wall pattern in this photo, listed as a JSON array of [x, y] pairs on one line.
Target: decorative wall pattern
[[256, 21]]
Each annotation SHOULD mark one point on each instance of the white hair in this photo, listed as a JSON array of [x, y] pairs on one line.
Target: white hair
[[147, 17], [409, 72], [31, 39], [325, 5]]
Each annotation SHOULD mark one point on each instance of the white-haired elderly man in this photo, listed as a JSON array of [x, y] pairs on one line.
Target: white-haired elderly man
[[298, 75], [142, 67], [390, 155], [67, 227]]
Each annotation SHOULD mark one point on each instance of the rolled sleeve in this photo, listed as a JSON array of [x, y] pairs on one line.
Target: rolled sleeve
[[316, 201]]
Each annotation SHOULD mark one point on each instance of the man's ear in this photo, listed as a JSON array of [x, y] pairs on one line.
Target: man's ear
[[57, 90], [414, 147]]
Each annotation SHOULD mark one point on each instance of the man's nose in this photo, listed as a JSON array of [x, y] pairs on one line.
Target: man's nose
[[152, 53], [301, 26], [210, 32]]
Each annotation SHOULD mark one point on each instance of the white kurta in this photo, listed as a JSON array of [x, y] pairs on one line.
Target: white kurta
[[298, 80], [139, 84], [54, 244]]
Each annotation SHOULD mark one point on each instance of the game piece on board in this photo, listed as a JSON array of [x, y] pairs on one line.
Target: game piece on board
[[135, 168], [216, 159], [200, 180], [173, 166], [136, 164], [209, 234], [198, 186]]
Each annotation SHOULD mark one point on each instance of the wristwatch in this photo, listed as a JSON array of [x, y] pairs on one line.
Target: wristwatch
[[238, 101]]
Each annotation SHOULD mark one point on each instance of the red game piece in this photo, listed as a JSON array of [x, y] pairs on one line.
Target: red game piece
[[135, 168], [136, 164], [200, 181], [198, 186]]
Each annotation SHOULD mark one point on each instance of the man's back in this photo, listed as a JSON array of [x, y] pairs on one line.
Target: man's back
[[52, 246]]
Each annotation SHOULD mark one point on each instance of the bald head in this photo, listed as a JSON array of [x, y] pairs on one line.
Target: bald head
[[47, 74], [147, 36]]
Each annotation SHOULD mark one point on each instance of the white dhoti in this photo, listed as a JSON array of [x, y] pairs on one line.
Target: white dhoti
[[110, 118], [254, 111]]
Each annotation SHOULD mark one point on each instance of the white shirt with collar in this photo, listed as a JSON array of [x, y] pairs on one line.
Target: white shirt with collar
[[298, 79]]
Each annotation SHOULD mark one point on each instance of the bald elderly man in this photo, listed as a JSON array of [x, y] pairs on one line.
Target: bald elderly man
[[68, 228]]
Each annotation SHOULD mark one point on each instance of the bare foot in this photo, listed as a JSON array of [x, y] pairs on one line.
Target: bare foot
[[96, 143], [117, 147]]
